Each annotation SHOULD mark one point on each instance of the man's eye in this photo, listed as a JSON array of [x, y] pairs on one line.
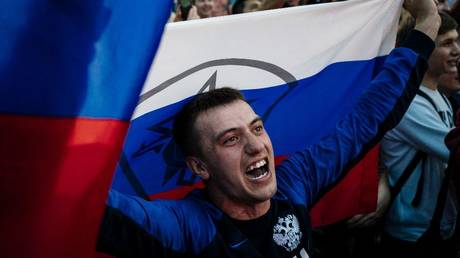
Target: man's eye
[[259, 129], [231, 140], [447, 43]]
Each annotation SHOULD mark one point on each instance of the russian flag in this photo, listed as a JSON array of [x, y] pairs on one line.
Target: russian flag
[[70, 75], [302, 69]]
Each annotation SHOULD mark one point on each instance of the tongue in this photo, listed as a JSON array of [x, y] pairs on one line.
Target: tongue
[[256, 172]]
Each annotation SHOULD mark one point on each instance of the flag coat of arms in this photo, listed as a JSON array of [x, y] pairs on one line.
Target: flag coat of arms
[[301, 69]]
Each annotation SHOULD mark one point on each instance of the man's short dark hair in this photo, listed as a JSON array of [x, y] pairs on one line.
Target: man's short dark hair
[[447, 23], [183, 126]]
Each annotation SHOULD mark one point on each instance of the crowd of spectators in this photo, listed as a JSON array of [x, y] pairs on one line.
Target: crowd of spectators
[[200, 9]]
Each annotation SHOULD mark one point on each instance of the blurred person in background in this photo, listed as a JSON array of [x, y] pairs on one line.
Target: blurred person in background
[[453, 143], [221, 8], [443, 6], [246, 6], [291, 3], [205, 8], [416, 149], [455, 10], [199, 9], [449, 85]]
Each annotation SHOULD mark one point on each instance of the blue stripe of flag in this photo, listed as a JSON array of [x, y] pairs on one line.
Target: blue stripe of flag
[[77, 57]]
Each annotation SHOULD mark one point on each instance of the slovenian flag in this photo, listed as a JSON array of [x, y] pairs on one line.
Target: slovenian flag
[[70, 75], [302, 69]]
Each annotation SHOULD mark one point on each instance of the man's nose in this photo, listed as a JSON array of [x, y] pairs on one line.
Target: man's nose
[[254, 144], [456, 49]]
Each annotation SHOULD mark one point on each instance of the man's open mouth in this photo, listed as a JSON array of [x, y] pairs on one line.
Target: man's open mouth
[[258, 170], [452, 63]]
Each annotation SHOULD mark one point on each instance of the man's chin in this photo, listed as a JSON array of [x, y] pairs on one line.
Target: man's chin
[[267, 194]]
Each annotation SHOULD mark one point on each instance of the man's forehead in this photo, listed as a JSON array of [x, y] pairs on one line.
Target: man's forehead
[[449, 35], [224, 117]]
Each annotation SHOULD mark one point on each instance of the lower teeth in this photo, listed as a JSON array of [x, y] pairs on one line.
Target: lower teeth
[[262, 175], [259, 173]]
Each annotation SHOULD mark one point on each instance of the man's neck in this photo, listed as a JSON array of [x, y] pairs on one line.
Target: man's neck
[[237, 209], [430, 81]]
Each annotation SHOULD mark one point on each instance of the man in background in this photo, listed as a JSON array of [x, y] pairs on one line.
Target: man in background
[[416, 148]]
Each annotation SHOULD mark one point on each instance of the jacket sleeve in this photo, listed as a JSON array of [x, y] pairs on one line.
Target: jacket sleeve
[[308, 174], [127, 230], [133, 227]]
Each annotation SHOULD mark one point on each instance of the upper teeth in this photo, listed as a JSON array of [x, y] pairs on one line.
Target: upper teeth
[[257, 165]]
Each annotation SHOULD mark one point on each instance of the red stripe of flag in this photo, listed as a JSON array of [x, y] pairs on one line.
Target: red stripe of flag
[[355, 194], [63, 168]]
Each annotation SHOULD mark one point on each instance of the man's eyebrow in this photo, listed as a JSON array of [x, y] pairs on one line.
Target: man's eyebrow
[[219, 135], [448, 40], [255, 120]]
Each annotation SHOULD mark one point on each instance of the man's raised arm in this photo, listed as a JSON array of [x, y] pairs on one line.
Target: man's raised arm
[[426, 14], [378, 110]]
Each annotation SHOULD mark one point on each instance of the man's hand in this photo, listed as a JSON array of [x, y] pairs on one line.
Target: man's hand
[[383, 200], [426, 16]]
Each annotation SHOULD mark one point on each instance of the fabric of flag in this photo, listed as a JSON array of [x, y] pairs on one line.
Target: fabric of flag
[[70, 73], [301, 69]]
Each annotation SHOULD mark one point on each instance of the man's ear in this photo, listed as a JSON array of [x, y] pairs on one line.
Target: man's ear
[[197, 166]]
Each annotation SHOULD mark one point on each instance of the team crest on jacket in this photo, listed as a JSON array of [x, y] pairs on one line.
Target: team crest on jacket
[[286, 232]]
